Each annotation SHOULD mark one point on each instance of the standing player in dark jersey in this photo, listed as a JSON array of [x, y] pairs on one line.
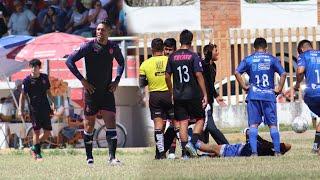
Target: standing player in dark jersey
[[99, 87], [36, 89], [170, 46], [209, 74], [189, 93], [152, 74], [261, 99], [309, 66]]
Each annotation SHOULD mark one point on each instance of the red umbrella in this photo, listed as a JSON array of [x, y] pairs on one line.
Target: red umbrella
[[50, 46]]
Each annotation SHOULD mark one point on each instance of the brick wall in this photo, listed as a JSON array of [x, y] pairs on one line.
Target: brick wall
[[318, 4], [220, 15]]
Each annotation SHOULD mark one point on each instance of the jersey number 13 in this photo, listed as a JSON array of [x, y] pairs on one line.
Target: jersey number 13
[[183, 73]]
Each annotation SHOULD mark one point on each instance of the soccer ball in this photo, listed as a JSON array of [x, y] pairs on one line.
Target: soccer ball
[[299, 124]]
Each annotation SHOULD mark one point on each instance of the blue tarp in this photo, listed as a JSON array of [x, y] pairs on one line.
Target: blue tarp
[[11, 41]]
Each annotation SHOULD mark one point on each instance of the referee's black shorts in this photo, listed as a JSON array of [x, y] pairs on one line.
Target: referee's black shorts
[[160, 105], [188, 109]]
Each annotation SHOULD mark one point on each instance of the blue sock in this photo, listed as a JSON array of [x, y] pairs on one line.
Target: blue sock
[[274, 133], [253, 133]]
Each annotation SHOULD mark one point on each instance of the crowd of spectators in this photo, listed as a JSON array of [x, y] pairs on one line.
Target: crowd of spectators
[[80, 17]]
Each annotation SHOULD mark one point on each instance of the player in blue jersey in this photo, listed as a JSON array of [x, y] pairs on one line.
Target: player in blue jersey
[[99, 54], [309, 67], [261, 99]]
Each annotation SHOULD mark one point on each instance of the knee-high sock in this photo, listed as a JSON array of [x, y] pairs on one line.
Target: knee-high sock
[[275, 135], [88, 138], [253, 133], [158, 137], [317, 138], [111, 135], [169, 136]]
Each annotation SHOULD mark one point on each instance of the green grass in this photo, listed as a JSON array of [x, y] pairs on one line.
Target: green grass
[[299, 163]]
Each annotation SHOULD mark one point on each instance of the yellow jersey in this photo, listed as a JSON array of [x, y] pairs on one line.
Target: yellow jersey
[[154, 69]]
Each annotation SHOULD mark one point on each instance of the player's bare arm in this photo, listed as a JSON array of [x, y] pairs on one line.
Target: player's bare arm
[[300, 76], [278, 90], [241, 82], [203, 88]]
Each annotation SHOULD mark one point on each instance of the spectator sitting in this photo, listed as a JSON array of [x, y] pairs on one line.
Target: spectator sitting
[[78, 22], [96, 15], [22, 21], [49, 20]]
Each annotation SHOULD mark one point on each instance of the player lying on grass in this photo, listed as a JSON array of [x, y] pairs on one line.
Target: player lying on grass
[[264, 148]]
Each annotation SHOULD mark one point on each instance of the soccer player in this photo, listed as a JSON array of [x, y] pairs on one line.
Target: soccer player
[[261, 99], [309, 67], [189, 93], [152, 74], [99, 87], [264, 148], [170, 46], [36, 89], [209, 73]]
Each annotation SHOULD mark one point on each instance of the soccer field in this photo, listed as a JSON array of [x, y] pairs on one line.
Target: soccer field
[[139, 163]]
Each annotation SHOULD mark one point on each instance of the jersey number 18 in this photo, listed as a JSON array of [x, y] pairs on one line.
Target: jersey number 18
[[265, 80]]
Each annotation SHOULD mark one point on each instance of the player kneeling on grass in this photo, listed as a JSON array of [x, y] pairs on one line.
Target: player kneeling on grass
[[264, 148], [36, 89], [261, 99]]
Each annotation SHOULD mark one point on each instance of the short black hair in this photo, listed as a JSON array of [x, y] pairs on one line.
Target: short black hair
[[35, 62], [157, 44], [107, 23], [260, 42], [186, 37], [170, 42], [301, 44]]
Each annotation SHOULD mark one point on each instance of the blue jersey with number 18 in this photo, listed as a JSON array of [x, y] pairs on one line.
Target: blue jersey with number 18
[[260, 67], [310, 60]]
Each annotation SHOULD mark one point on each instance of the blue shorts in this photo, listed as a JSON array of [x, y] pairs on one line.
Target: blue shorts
[[231, 150], [313, 103], [258, 108]]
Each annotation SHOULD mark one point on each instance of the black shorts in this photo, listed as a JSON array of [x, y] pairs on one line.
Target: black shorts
[[99, 101], [41, 119], [188, 109], [160, 105]]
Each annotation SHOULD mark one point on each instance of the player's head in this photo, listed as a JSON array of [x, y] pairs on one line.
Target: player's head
[[103, 30], [186, 37], [260, 44], [35, 65], [303, 46], [210, 52], [157, 45], [170, 45]]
